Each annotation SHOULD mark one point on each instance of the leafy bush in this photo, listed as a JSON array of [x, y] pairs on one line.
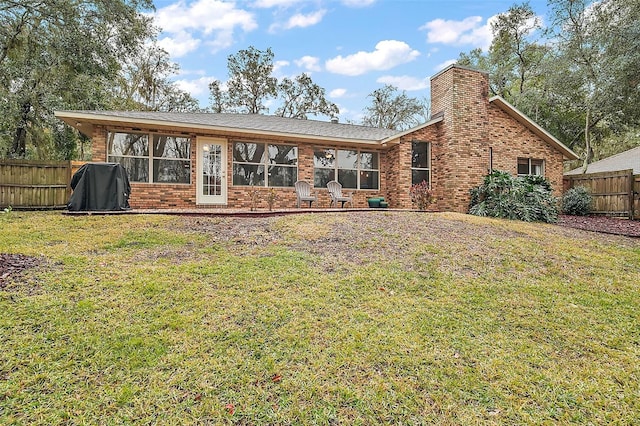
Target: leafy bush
[[576, 201], [421, 195], [526, 198]]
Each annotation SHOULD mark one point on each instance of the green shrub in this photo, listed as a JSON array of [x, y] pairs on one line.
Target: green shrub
[[576, 201], [526, 198]]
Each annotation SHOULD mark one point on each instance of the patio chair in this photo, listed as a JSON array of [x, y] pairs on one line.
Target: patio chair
[[335, 191], [304, 192]]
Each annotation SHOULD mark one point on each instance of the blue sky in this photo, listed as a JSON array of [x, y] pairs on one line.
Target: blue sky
[[349, 47]]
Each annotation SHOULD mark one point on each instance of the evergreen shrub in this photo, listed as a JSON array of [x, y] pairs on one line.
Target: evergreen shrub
[[526, 198], [576, 201]]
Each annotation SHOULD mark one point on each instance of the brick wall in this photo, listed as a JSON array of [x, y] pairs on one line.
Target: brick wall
[[462, 141], [462, 155], [510, 140], [460, 146], [391, 175], [399, 165], [147, 195], [99, 144], [240, 197]]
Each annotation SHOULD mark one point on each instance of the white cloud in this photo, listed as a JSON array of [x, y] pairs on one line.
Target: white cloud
[[196, 87], [303, 21], [348, 115], [358, 3], [216, 21], [278, 66], [449, 32], [223, 40], [337, 93], [266, 4], [309, 63], [180, 44], [183, 71], [299, 20], [444, 64], [470, 31], [388, 54], [405, 82]]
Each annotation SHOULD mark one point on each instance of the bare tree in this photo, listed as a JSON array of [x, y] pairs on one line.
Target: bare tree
[[302, 97], [390, 109]]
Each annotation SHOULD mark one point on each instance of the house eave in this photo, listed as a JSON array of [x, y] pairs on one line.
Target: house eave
[[394, 139], [516, 114], [85, 122]]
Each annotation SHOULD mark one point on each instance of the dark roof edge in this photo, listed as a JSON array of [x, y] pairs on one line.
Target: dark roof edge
[[73, 119], [435, 119]]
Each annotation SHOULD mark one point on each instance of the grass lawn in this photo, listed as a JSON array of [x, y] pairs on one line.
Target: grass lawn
[[359, 318]]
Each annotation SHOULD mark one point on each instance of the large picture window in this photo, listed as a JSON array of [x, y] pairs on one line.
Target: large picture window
[[420, 162], [168, 160], [353, 169], [530, 166], [263, 164]]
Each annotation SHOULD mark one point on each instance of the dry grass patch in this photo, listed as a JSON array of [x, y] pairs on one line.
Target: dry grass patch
[[359, 318]]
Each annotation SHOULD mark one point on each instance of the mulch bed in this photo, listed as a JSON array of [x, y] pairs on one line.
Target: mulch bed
[[604, 224], [14, 264]]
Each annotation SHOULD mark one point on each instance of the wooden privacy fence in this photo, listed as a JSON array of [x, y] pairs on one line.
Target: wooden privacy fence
[[636, 193], [613, 193], [34, 184]]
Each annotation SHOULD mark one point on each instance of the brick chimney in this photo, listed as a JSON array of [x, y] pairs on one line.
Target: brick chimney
[[462, 154]]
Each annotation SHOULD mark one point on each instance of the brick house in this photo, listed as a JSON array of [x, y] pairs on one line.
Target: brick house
[[188, 160]]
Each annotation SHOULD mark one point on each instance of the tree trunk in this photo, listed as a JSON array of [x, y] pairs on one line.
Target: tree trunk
[[587, 142], [19, 147]]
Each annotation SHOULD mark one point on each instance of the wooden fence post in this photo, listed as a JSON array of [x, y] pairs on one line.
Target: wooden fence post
[[630, 184]]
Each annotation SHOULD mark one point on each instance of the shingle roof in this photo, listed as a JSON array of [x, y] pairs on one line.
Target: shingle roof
[[623, 161], [255, 123]]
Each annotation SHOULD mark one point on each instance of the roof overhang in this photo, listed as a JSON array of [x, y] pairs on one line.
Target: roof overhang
[[395, 139], [514, 113], [86, 121]]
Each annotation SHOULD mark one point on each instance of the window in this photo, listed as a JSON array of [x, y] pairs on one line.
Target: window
[[369, 170], [262, 164], [529, 166], [353, 169], [171, 159], [168, 160], [420, 162], [324, 163]]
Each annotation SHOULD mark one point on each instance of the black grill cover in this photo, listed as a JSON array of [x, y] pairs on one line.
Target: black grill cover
[[100, 186]]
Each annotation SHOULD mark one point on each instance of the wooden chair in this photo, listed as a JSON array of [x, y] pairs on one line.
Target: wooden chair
[[335, 191], [304, 192]]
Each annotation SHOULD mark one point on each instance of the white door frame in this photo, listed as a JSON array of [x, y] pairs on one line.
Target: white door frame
[[207, 194]]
